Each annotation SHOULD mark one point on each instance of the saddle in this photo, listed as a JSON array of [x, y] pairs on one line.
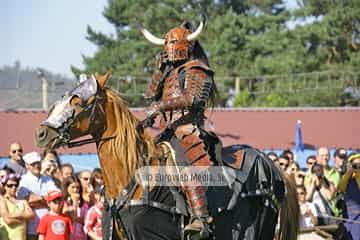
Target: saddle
[[248, 172]]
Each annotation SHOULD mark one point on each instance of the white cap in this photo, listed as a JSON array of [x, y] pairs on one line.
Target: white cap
[[32, 157]]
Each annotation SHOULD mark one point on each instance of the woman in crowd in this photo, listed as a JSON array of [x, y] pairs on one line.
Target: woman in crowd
[[96, 178], [14, 213], [50, 166], [74, 206]]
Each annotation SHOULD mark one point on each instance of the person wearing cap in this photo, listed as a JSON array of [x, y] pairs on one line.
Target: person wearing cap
[[340, 156], [54, 225], [350, 186], [14, 212], [33, 188]]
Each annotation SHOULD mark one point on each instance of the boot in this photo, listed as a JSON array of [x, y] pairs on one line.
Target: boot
[[199, 225]]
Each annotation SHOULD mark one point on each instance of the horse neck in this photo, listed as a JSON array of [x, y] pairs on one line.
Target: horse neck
[[119, 156]]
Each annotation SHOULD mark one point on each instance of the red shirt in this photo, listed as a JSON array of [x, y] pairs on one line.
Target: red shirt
[[92, 220], [55, 227]]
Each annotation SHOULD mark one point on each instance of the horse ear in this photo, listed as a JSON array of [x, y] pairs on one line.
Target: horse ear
[[102, 79]]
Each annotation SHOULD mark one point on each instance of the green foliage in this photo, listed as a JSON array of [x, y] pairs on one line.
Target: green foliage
[[242, 38], [243, 99]]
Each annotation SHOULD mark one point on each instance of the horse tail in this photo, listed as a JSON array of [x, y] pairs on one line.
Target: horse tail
[[289, 212]]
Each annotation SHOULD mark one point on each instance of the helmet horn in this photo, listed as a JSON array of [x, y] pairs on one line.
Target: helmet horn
[[150, 37], [196, 34]]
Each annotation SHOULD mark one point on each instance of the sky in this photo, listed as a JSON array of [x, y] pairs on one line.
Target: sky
[[51, 33]]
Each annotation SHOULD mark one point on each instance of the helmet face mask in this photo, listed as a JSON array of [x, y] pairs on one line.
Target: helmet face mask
[[177, 47], [178, 43]]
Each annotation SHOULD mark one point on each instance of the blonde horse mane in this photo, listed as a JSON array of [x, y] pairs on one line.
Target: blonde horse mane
[[129, 144]]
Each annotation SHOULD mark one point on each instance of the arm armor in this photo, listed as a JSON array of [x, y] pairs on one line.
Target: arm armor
[[152, 92], [196, 82]]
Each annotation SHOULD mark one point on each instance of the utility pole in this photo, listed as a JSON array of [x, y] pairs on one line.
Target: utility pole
[[44, 85], [237, 86]]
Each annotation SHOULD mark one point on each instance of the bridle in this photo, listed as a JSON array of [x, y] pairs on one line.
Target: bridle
[[64, 137]]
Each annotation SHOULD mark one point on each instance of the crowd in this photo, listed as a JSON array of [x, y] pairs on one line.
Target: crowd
[[40, 198], [327, 195]]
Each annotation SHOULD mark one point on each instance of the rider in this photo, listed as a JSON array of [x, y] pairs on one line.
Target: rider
[[182, 86]]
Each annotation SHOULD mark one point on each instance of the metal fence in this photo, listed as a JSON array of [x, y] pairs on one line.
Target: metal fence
[[26, 95]]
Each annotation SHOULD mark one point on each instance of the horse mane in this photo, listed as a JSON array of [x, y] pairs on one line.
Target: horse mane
[[130, 145]]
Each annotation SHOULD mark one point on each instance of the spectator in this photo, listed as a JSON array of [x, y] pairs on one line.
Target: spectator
[[87, 193], [54, 226], [16, 162], [322, 158], [340, 156], [50, 168], [66, 170], [34, 188], [320, 191], [289, 154], [96, 178], [299, 178], [307, 209], [51, 155], [14, 212], [310, 161], [3, 172], [350, 186], [274, 157], [292, 169], [92, 224], [283, 162], [74, 206]]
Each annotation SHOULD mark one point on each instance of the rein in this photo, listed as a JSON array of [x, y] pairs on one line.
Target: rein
[[64, 131]]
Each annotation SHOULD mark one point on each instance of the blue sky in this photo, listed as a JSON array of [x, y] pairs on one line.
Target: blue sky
[[51, 34]]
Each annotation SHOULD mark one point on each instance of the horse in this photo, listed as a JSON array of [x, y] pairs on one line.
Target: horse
[[248, 208]]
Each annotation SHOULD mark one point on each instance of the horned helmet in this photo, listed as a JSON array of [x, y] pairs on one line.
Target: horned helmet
[[178, 42]]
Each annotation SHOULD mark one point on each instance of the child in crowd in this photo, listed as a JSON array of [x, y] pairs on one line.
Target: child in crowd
[[92, 223], [75, 207], [307, 209], [54, 225]]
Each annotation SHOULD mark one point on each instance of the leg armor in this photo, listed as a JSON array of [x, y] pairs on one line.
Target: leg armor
[[196, 155]]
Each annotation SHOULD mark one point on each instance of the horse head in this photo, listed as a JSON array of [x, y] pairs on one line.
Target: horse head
[[75, 115]]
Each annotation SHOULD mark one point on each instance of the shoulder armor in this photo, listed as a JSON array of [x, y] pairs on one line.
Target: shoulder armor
[[197, 64]]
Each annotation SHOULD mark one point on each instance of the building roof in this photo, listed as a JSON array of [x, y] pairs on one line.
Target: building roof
[[263, 128]]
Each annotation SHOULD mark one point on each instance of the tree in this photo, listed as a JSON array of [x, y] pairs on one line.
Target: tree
[[128, 53], [242, 38]]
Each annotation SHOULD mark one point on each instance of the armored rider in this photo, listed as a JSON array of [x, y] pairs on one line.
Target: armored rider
[[182, 88]]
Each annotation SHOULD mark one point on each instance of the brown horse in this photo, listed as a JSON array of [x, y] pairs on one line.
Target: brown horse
[[248, 209]]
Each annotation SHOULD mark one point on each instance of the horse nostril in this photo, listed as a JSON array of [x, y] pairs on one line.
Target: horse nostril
[[42, 133]]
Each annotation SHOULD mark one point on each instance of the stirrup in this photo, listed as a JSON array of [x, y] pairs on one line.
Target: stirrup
[[198, 232]]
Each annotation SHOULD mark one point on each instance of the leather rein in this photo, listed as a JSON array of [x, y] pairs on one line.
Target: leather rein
[[64, 131]]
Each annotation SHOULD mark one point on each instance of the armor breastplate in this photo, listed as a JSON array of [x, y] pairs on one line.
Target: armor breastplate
[[172, 87], [190, 76]]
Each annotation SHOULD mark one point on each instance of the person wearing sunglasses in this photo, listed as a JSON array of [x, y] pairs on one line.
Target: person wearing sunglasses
[[350, 186], [3, 172], [88, 189], [16, 162], [14, 212]]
